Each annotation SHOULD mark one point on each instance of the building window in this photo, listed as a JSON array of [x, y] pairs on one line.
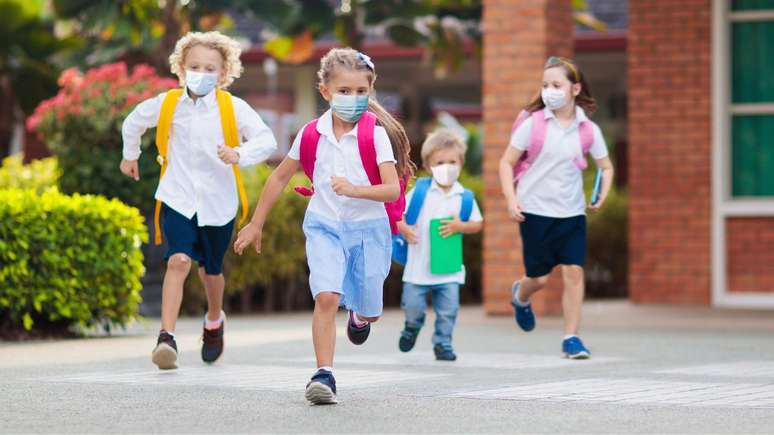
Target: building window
[[752, 97]]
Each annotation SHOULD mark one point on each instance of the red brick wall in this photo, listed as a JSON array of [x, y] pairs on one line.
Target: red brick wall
[[518, 37], [750, 249], [670, 149]]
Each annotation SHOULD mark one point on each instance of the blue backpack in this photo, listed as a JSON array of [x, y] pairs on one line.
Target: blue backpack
[[399, 243]]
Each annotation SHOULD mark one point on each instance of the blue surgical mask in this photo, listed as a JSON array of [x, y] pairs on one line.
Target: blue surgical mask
[[349, 108], [200, 83]]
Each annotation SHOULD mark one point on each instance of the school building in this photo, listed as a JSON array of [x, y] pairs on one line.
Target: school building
[[700, 126]]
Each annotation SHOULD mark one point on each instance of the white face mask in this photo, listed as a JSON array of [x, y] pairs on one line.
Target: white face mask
[[446, 174], [200, 83], [554, 98]]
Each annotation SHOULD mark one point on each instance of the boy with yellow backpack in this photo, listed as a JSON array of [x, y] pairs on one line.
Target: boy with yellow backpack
[[203, 135]]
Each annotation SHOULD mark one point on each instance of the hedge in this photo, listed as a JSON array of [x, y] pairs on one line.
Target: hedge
[[68, 260]]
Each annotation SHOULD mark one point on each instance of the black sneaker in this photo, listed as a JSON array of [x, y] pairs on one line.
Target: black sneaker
[[165, 353], [212, 344], [444, 353], [357, 335], [408, 337], [321, 390]]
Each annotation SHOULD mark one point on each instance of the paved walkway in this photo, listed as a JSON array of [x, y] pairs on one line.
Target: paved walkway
[[654, 370]]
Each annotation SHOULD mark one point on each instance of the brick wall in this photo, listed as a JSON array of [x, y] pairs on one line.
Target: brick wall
[[670, 149], [518, 37], [750, 249]]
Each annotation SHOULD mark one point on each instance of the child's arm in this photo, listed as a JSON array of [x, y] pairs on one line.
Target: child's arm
[[276, 182], [408, 232], [388, 191], [259, 143], [507, 162], [608, 172], [474, 224], [143, 117]]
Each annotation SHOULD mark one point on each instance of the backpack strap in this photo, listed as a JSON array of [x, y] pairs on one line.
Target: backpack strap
[[417, 199], [310, 137], [537, 136], [367, 147], [163, 127], [586, 134], [467, 205], [231, 137]]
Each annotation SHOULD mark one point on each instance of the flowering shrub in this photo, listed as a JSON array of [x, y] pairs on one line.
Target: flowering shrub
[[82, 126]]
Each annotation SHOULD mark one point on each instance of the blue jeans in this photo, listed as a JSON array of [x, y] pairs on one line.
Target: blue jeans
[[446, 303]]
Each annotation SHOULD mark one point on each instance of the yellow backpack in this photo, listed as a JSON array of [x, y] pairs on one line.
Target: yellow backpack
[[230, 136]]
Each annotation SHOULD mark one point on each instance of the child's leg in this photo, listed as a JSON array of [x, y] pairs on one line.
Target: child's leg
[[178, 267], [214, 286], [530, 286], [414, 304], [326, 304], [572, 298], [446, 303]]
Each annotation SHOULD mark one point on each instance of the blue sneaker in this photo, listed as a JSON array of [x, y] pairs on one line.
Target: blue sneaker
[[321, 390], [573, 348], [525, 318], [444, 353]]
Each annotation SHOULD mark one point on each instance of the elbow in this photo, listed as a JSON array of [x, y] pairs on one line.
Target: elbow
[[394, 193]]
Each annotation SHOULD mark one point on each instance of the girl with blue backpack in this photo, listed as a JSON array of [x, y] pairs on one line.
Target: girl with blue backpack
[[439, 211], [358, 171], [545, 159]]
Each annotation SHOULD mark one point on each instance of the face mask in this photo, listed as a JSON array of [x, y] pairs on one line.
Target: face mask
[[349, 108], [446, 174], [553, 98], [200, 83]]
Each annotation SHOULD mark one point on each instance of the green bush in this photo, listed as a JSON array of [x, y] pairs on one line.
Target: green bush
[[38, 175], [281, 268], [68, 260]]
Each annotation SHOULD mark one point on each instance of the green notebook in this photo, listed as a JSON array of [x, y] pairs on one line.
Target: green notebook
[[445, 253]]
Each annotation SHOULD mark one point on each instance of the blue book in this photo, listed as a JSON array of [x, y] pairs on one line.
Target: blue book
[[597, 187]]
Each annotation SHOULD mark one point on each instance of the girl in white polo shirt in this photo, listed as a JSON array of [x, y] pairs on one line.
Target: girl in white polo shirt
[[549, 202], [358, 170]]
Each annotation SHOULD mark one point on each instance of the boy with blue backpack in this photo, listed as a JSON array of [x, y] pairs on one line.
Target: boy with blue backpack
[[439, 211]]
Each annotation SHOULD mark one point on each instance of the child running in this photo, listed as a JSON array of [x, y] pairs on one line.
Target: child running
[[548, 151], [358, 170], [442, 196], [199, 136]]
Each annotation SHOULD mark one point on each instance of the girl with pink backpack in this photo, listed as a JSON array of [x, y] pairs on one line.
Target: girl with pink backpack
[[541, 173], [357, 157]]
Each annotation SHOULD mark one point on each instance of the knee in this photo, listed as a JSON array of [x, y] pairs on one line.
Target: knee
[[538, 283], [327, 302], [573, 275], [179, 263]]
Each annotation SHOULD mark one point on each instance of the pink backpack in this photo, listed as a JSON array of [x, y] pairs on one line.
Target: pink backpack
[[310, 137], [538, 137]]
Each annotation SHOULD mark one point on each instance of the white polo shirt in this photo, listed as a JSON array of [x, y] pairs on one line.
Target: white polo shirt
[[341, 158], [197, 182], [438, 204], [553, 185]]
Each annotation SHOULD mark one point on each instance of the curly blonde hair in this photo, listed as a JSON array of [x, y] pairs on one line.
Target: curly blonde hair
[[228, 48], [443, 139]]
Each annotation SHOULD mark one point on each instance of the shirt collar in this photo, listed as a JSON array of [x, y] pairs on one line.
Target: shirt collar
[[325, 126], [208, 100], [456, 188], [580, 114]]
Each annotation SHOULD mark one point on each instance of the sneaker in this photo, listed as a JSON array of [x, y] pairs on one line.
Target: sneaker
[[321, 390], [165, 353], [212, 344], [573, 348], [443, 353], [525, 317], [357, 335], [408, 337]]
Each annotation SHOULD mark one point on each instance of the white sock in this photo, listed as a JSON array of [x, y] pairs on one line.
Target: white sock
[[214, 324], [569, 336], [330, 369], [516, 298], [359, 323]]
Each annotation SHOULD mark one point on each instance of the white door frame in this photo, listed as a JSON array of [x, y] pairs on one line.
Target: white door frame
[[725, 206]]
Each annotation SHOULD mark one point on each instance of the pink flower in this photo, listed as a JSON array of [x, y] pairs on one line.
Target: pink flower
[[70, 77]]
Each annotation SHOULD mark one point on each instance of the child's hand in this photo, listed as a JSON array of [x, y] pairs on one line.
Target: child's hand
[[129, 168], [408, 233], [593, 208], [250, 234], [228, 155], [514, 209], [342, 187], [451, 227]]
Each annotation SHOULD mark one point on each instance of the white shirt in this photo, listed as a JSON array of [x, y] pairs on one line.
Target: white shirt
[[196, 181], [438, 204], [553, 185], [341, 158]]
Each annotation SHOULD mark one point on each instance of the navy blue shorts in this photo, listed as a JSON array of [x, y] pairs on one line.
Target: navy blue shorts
[[548, 242], [205, 245]]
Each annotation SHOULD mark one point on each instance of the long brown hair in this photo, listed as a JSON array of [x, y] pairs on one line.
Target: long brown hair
[[574, 75], [353, 60]]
